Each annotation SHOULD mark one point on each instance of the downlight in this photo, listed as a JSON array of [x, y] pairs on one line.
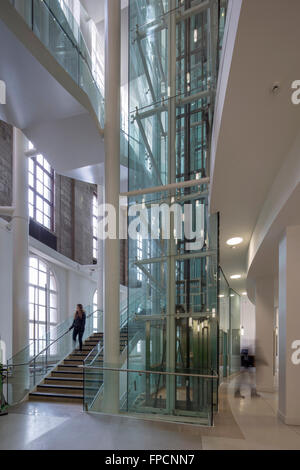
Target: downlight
[[235, 241], [236, 276]]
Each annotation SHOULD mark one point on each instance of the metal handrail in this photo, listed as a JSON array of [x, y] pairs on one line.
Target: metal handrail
[[49, 346], [111, 369], [99, 352]]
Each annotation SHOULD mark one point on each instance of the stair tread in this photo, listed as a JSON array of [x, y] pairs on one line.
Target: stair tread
[[68, 387], [64, 379], [67, 372], [63, 395]]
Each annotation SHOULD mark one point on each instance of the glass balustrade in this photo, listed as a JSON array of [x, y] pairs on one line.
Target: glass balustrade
[[230, 329], [130, 330], [145, 393], [54, 24], [93, 376], [26, 371]]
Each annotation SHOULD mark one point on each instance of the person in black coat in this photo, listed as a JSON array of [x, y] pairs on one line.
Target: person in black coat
[[78, 325]]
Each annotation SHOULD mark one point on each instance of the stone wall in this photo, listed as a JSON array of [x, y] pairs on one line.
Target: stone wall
[[5, 164]]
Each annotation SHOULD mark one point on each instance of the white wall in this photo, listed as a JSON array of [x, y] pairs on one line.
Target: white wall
[[75, 283], [248, 322]]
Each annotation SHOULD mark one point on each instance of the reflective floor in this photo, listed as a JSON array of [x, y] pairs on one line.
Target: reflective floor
[[242, 423]]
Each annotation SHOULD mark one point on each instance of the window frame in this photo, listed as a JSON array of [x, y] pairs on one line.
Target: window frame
[[51, 203], [37, 343]]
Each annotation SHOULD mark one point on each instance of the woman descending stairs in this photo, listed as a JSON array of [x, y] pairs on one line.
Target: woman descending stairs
[[66, 382]]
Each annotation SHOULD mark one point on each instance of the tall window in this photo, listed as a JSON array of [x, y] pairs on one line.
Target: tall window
[[42, 303], [41, 192], [95, 227]]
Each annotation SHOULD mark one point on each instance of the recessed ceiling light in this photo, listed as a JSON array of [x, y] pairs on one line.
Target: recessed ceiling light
[[244, 293], [221, 296], [236, 276], [235, 241]]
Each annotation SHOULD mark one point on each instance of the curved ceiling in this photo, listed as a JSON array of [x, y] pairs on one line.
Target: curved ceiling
[[255, 127], [44, 101]]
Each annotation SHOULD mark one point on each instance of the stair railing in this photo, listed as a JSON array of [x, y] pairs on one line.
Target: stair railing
[[25, 372]]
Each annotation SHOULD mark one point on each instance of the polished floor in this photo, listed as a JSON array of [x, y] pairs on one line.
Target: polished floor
[[242, 423]]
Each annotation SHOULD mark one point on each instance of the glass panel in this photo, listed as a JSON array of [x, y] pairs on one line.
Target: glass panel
[[42, 279], [53, 300], [33, 276], [146, 392], [39, 217], [31, 211], [42, 314]]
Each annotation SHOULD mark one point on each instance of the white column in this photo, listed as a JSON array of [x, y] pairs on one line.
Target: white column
[[289, 327], [100, 262], [112, 192], [264, 335], [20, 230]]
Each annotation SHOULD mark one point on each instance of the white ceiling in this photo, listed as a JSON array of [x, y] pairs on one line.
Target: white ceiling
[[96, 8], [257, 127]]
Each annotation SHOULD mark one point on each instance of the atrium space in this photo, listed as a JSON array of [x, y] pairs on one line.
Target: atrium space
[[149, 227]]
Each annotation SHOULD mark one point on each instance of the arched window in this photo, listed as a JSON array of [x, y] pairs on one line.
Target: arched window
[[43, 313]]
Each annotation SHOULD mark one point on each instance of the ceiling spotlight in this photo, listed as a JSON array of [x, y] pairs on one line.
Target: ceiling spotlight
[[235, 241], [244, 293], [236, 276]]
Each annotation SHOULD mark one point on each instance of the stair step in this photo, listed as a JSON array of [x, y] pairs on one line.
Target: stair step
[[64, 381], [75, 357], [69, 368], [75, 362], [60, 389], [85, 348], [66, 398], [67, 374]]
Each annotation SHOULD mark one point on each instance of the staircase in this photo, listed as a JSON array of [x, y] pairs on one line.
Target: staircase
[[66, 381]]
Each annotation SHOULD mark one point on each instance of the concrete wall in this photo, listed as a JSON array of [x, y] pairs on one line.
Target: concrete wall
[[73, 219]]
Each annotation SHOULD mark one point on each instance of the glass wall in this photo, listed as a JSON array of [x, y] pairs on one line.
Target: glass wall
[[230, 329], [174, 327]]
